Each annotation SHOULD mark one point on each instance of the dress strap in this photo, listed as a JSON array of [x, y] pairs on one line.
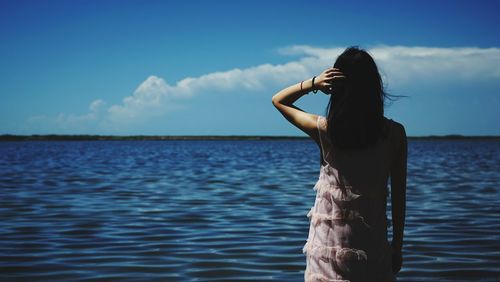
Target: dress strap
[[322, 147]]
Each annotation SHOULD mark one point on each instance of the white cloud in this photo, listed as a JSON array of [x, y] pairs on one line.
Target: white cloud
[[71, 123], [155, 97], [146, 100], [400, 66], [96, 106]]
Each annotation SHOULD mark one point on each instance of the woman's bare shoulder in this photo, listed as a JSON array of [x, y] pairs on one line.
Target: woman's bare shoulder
[[398, 131], [399, 128], [394, 123]]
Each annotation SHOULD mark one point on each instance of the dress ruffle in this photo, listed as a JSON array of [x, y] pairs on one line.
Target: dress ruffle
[[316, 277], [338, 192], [338, 217], [332, 253], [341, 196]]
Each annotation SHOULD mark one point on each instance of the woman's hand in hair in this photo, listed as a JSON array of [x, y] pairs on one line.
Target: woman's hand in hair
[[328, 79]]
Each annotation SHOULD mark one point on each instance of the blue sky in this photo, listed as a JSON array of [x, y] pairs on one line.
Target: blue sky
[[211, 67]]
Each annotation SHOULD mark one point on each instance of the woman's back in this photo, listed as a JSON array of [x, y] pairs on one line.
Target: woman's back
[[348, 231]]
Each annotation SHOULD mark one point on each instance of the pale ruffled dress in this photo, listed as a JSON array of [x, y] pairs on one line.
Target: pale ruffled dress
[[348, 225]]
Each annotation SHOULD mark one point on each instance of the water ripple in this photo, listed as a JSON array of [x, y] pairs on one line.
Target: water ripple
[[224, 210]]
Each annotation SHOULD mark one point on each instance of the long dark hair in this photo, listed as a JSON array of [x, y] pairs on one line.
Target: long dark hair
[[355, 111]]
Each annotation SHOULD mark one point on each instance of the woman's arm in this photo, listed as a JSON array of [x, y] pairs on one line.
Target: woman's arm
[[284, 99], [398, 198]]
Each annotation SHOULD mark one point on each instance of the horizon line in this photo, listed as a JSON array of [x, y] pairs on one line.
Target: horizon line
[[42, 137]]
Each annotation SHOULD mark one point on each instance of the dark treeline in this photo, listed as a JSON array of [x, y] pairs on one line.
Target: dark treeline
[[55, 137]]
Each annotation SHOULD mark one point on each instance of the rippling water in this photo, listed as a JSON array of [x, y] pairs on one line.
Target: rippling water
[[224, 210]]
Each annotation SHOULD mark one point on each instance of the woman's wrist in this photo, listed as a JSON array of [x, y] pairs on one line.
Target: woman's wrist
[[314, 86], [307, 85]]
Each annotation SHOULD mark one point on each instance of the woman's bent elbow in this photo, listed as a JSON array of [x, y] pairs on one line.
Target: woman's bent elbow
[[274, 100]]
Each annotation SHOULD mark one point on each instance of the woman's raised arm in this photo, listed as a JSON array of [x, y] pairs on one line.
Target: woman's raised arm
[[284, 99]]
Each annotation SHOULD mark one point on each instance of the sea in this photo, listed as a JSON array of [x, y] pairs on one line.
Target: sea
[[225, 210]]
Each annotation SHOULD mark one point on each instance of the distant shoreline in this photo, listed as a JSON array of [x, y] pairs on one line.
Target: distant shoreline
[[84, 137]]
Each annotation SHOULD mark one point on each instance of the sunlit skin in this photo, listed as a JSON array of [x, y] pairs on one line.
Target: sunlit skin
[[307, 122]]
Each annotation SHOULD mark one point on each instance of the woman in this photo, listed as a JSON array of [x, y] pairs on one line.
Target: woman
[[360, 150]]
